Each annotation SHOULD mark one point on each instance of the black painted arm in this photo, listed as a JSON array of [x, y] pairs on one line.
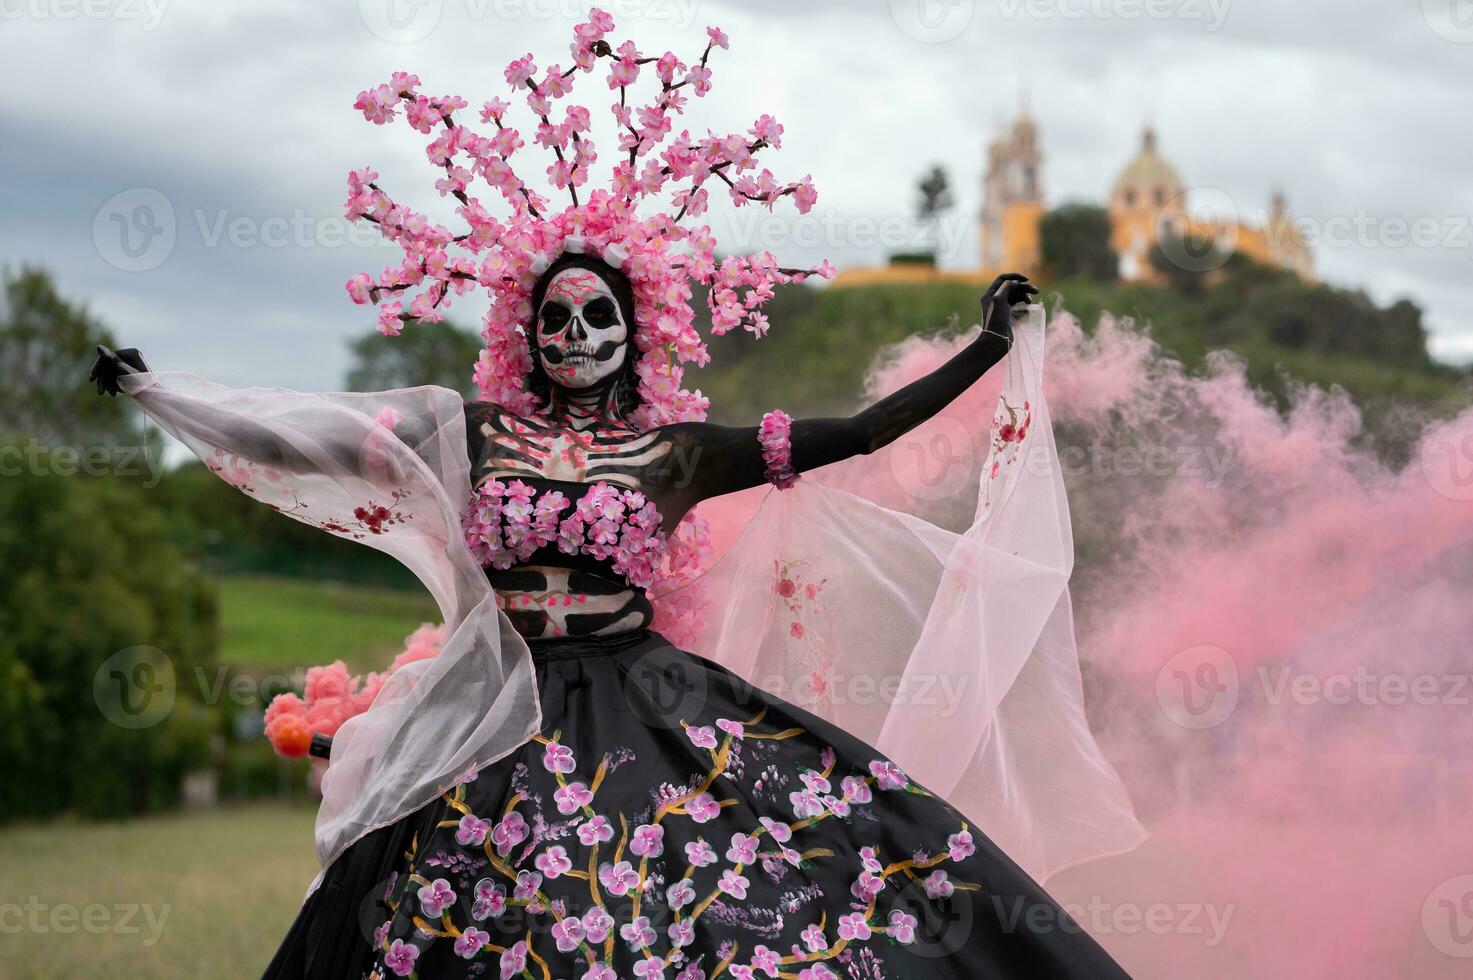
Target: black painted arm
[[725, 459]]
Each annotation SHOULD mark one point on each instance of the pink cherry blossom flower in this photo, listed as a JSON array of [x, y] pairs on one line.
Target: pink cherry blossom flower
[[520, 71], [700, 854], [510, 832], [470, 943], [360, 289], [938, 885], [554, 862], [436, 897], [618, 879], [733, 884], [572, 797], [556, 758], [703, 737], [743, 849], [514, 960], [887, 774], [472, 830], [854, 926], [682, 933], [637, 933], [400, 958], [867, 886], [568, 933], [902, 927], [648, 840], [813, 939], [703, 808], [529, 883], [680, 894], [597, 923], [856, 790], [650, 968], [805, 804], [490, 900], [776, 829], [596, 830]]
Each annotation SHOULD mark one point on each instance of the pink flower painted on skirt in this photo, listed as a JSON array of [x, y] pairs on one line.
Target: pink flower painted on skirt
[[436, 897], [472, 830], [400, 958]]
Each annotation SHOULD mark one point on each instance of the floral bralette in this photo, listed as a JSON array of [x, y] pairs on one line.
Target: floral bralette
[[506, 522]]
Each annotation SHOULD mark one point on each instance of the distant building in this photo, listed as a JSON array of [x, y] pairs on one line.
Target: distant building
[[1012, 198], [1148, 201]]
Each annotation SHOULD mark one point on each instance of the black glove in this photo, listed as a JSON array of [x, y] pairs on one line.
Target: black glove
[[1007, 290], [112, 365]]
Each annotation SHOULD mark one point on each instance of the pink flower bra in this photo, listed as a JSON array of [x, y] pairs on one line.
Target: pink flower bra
[[507, 522]]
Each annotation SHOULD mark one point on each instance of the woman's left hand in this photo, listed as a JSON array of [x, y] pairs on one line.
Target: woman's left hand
[[1007, 290]]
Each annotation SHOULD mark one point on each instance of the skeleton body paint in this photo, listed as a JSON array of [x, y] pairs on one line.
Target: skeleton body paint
[[576, 440], [580, 437]]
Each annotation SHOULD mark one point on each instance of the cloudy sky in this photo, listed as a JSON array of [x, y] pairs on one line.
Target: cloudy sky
[[178, 164]]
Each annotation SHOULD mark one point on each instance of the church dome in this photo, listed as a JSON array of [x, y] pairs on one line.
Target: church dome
[[1147, 181]]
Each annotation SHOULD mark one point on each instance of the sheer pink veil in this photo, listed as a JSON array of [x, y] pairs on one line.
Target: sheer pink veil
[[388, 469], [951, 651]]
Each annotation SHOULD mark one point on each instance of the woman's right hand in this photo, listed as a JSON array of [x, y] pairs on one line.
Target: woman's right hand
[[112, 365]]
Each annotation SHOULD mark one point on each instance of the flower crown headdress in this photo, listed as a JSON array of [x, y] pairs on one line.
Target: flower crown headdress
[[659, 254]]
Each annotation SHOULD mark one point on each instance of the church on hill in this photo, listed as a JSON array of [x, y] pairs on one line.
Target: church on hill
[[1147, 201]]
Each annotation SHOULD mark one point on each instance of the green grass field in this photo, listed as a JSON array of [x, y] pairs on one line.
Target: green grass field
[[205, 894], [275, 623], [190, 895]]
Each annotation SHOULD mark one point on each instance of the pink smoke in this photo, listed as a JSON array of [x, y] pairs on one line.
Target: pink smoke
[[1275, 627]]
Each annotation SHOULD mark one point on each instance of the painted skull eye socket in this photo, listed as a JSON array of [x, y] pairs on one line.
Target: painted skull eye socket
[[554, 316], [601, 313]]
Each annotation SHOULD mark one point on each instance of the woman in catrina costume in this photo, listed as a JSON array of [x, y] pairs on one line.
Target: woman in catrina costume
[[841, 740]]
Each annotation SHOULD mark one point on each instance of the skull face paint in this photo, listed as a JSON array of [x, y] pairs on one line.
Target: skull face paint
[[582, 338]]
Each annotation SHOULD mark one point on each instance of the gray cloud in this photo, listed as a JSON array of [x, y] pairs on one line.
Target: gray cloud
[[241, 112]]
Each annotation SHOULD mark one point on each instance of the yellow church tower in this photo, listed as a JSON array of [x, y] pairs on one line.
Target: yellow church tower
[[1012, 198]]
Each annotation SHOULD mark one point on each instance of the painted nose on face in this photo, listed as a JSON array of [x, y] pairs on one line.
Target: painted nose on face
[[577, 330]]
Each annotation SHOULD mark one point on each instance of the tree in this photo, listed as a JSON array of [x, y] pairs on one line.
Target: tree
[[934, 198], [1187, 260], [47, 346], [1074, 242], [424, 354], [103, 624]]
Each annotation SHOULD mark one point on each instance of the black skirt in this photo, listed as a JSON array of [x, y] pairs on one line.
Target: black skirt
[[671, 822]]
